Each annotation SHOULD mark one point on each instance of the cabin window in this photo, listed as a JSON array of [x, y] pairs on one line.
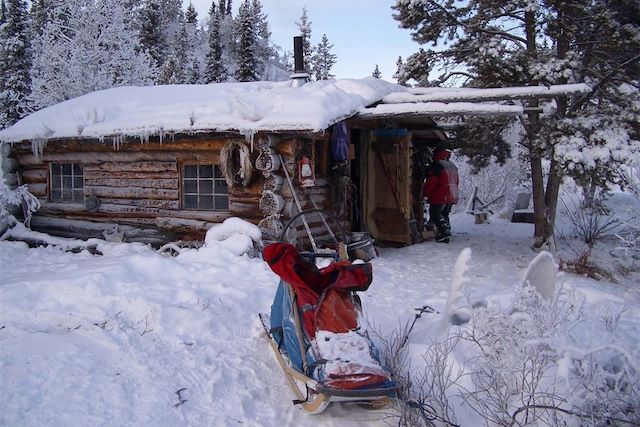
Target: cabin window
[[204, 188], [67, 182]]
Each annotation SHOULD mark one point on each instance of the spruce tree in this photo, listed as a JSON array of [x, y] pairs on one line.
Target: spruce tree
[[215, 69], [3, 12], [400, 74], [246, 36], [38, 14], [323, 60], [150, 36], [304, 27], [193, 36], [229, 8], [191, 16], [15, 80], [376, 72]]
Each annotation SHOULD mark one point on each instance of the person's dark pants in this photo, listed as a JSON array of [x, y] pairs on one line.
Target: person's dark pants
[[439, 215]]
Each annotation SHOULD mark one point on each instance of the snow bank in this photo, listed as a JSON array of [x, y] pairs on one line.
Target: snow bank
[[235, 235], [243, 107]]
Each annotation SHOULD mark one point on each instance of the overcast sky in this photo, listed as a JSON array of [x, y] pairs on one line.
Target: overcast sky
[[362, 31]]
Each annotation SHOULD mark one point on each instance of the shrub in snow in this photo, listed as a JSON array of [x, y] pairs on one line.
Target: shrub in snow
[[541, 361], [10, 199], [591, 219], [237, 235]]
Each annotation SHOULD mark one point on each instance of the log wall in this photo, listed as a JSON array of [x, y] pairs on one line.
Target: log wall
[[139, 188]]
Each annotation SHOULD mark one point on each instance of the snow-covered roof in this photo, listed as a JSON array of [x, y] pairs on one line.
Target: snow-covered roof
[[248, 108], [240, 107], [434, 94]]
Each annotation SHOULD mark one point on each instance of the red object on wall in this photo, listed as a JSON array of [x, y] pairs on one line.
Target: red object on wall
[[306, 174]]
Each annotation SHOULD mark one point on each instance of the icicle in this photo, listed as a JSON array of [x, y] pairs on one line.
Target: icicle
[[144, 137], [249, 136], [117, 141], [37, 147]]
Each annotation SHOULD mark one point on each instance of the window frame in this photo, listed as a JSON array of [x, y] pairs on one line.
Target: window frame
[[213, 179], [61, 178]]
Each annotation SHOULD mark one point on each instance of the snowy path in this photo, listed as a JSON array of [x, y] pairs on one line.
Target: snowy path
[[108, 340]]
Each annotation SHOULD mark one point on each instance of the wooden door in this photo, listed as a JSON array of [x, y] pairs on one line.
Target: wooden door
[[388, 202]]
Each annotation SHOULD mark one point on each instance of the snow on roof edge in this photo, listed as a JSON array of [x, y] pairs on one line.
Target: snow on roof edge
[[246, 108]]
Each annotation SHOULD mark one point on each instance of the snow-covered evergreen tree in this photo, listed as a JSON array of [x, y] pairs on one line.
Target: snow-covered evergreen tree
[[376, 72], [151, 37], [518, 43], [304, 27], [215, 68], [87, 46], [15, 81], [400, 74], [249, 66], [193, 40], [38, 13], [323, 59]]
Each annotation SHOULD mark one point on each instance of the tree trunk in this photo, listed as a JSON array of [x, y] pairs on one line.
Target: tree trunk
[[539, 205]]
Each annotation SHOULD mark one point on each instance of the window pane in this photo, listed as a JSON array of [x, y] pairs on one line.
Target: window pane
[[221, 187], [55, 182], [206, 171], [77, 195], [66, 194], [206, 202], [77, 182], [66, 168], [190, 171], [218, 172], [56, 168], [67, 182], [190, 202], [206, 187], [222, 203], [190, 186], [77, 169], [56, 194]]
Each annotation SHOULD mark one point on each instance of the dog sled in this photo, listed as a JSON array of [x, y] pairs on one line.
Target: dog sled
[[315, 332]]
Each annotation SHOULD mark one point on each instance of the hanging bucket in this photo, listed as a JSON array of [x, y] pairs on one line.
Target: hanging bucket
[[361, 249]]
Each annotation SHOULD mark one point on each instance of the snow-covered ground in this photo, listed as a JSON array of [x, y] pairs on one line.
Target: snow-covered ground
[[110, 340]]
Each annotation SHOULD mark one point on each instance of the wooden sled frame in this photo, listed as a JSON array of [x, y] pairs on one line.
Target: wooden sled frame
[[313, 396]]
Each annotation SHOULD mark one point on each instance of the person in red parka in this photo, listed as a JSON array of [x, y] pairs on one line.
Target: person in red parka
[[441, 191]]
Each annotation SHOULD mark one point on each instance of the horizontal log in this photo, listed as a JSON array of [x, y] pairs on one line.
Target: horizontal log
[[246, 211], [88, 158], [134, 145], [38, 175], [253, 190], [38, 190], [138, 213], [94, 229], [98, 174], [161, 204], [171, 183], [134, 166], [131, 193]]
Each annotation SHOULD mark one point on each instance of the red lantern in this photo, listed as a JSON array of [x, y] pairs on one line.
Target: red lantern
[[306, 175]]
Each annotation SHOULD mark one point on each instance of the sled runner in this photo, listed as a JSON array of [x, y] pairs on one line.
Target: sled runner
[[315, 332]]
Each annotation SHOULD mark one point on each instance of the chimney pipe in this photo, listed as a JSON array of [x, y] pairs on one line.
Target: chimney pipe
[[299, 76], [298, 54]]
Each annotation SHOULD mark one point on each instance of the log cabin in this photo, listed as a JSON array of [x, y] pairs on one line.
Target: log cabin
[[165, 163]]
